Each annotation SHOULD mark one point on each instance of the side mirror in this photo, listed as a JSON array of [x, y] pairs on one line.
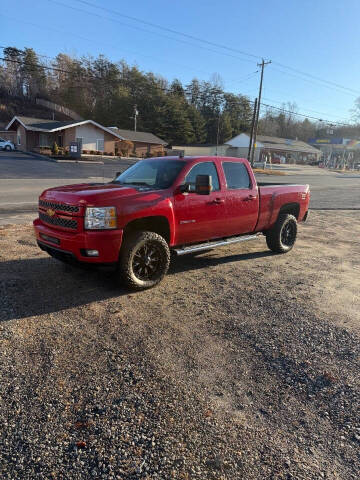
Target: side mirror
[[185, 188], [203, 185], [116, 175]]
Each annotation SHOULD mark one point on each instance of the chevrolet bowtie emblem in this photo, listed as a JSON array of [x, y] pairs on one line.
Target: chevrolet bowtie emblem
[[50, 212]]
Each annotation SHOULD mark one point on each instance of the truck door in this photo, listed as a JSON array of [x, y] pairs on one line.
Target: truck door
[[200, 217], [242, 198]]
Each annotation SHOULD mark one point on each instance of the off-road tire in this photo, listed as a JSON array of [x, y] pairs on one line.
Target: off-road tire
[[131, 246], [275, 236]]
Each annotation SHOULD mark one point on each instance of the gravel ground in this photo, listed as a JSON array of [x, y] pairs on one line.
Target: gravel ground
[[242, 364]]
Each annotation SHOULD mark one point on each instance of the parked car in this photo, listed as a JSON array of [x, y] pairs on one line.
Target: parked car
[[6, 145], [163, 205]]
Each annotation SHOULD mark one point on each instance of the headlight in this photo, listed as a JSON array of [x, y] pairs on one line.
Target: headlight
[[100, 218]]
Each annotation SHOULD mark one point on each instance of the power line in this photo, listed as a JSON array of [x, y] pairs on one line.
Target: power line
[[170, 30], [305, 109], [148, 31], [42, 27], [309, 80], [167, 90], [303, 115], [215, 44], [318, 78]]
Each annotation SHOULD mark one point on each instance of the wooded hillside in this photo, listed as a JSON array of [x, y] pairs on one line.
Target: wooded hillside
[[105, 91]]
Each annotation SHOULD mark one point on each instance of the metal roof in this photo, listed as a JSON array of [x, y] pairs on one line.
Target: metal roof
[[284, 144]]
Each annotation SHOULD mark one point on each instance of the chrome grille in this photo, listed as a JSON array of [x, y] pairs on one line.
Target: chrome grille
[[60, 222], [59, 206]]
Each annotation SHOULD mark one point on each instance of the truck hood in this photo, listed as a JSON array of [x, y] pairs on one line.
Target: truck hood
[[91, 194]]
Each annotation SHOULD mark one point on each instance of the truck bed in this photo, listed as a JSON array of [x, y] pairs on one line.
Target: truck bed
[[274, 196]]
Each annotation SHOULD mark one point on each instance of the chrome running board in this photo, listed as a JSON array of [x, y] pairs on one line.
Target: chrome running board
[[215, 244]]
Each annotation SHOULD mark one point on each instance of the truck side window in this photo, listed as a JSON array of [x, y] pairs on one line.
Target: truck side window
[[236, 175], [204, 168]]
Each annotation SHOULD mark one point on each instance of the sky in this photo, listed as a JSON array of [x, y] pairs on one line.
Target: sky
[[313, 44]]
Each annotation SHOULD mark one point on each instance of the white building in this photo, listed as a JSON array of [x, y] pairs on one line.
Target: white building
[[269, 148]]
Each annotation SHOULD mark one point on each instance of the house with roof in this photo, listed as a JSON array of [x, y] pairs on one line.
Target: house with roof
[[272, 148], [38, 134], [34, 134], [145, 143], [267, 148]]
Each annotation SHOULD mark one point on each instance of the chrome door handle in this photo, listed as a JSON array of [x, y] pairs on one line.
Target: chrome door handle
[[218, 201], [250, 197]]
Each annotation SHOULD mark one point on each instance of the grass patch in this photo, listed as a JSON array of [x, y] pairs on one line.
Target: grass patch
[[268, 172]]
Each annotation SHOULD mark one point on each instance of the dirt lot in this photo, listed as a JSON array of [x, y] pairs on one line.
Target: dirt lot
[[242, 364]]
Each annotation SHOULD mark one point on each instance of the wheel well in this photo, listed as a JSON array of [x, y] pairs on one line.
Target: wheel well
[[291, 209], [157, 224]]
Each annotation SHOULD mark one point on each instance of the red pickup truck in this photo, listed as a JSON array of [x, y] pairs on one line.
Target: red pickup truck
[[164, 205]]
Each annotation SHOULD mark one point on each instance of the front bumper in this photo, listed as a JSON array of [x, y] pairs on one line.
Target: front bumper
[[74, 244]]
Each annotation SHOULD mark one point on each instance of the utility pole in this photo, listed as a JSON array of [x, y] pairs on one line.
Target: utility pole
[[252, 129], [136, 113], [262, 65]]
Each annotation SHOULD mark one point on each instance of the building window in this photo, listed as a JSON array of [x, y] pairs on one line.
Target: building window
[[19, 139], [100, 145], [60, 141]]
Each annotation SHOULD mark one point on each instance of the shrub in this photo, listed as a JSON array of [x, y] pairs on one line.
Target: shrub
[[55, 149], [126, 146], [92, 152]]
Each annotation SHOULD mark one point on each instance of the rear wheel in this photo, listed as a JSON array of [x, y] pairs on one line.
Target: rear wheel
[[7, 148], [144, 260], [282, 236]]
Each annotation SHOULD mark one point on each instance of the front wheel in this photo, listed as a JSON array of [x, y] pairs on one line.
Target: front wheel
[[144, 260], [282, 236], [7, 148]]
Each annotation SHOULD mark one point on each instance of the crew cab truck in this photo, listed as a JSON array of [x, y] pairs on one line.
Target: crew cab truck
[[164, 205]]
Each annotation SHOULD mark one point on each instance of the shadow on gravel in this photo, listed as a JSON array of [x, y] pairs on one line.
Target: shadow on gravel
[[196, 262], [38, 286]]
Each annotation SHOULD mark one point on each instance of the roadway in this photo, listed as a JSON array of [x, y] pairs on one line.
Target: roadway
[[23, 178]]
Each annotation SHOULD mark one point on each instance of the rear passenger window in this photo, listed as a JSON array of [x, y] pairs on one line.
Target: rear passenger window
[[236, 175], [203, 168]]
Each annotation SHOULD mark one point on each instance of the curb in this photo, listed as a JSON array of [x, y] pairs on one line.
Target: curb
[[76, 161], [40, 157], [18, 208]]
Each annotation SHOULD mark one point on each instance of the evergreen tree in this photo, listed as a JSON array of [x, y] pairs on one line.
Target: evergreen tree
[[174, 123], [198, 124], [33, 74]]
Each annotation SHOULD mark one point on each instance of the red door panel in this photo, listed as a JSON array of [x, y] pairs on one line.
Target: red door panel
[[242, 197], [199, 217]]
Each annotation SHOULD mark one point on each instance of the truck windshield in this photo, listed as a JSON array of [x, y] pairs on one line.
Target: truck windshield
[[159, 174]]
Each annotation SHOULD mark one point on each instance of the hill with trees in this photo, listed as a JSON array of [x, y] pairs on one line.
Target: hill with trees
[[106, 91]]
